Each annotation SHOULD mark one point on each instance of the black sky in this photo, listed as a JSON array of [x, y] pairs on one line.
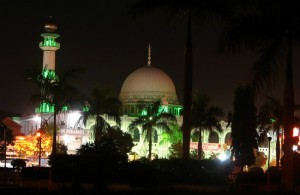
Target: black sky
[[103, 38]]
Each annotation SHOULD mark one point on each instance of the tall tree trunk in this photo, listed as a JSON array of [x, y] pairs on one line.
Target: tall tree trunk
[[277, 149], [187, 92], [200, 150], [287, 161], [54, 133], [288, 100], [150, 143]]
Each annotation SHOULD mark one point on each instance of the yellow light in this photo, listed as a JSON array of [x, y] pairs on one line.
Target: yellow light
[[295, 131]]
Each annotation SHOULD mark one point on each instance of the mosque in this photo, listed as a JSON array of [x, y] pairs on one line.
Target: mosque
[[148, 83]]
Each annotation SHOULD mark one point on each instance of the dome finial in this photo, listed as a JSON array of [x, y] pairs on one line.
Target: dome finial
[[149, 55], [50, 26]]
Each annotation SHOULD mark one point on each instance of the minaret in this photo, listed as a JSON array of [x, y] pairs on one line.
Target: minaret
[[49, 46]]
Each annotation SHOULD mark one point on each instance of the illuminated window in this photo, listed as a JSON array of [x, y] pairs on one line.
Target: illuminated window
[[195, 136]]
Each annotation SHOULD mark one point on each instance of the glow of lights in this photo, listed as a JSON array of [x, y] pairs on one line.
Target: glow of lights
[[295, 148], [66, 139], [295, 131], [222, 157], [73, 118], [37, 119]]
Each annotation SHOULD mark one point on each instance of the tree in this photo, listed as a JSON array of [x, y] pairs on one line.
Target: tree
[[114, 144], [154, 118], [270, 118], [205, 117], [243, 127], [6, 138], [56, 91], [102, 101], [177, 10], [271, 28]]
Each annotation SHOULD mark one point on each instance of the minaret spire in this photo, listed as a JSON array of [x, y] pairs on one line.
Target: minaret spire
[[149, 55], [49, 45]]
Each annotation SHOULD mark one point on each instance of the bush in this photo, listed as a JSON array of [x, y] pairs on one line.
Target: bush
[[18, 163]]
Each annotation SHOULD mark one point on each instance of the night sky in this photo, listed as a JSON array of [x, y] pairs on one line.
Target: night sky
[[101, 37]]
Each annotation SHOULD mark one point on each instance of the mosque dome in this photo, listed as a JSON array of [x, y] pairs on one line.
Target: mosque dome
[[148, 84]]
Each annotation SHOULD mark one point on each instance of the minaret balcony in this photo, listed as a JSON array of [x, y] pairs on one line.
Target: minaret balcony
[[50, 44]]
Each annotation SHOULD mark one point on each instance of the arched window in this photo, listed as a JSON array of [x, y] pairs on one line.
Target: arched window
[[213, 137], [155, 136], [195, 136], [136, 135]]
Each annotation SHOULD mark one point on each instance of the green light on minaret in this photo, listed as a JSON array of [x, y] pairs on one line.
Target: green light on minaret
[[48, 74], [49, 40], [46, 107]]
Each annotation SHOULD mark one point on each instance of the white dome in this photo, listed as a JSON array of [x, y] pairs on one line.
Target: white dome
[[148, 84]]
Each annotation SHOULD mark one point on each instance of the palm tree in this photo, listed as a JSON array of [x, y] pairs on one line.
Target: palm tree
[[205, 117], [155, 118], [270, 118], [271, 28], [177, 10], [243, 128], [57, 92], [102, 101]]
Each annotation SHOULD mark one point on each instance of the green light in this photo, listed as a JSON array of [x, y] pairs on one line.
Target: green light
[[85, 109], [49, 40], [48, 74], [65, 108], [144, 112], [46, 107]]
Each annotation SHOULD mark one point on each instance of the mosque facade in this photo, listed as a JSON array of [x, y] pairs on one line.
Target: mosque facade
[[148, 84]]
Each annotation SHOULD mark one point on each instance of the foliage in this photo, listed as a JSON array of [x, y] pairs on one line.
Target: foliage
[[99, 161], [205, 117], [101, 101], [58, 91], [29, 147], [174, 136], [175, 151], [270, 28], [153, 120], [260, 159], [61, 148], [243, 131], [113, 142], [18, 163], [6, 138]]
